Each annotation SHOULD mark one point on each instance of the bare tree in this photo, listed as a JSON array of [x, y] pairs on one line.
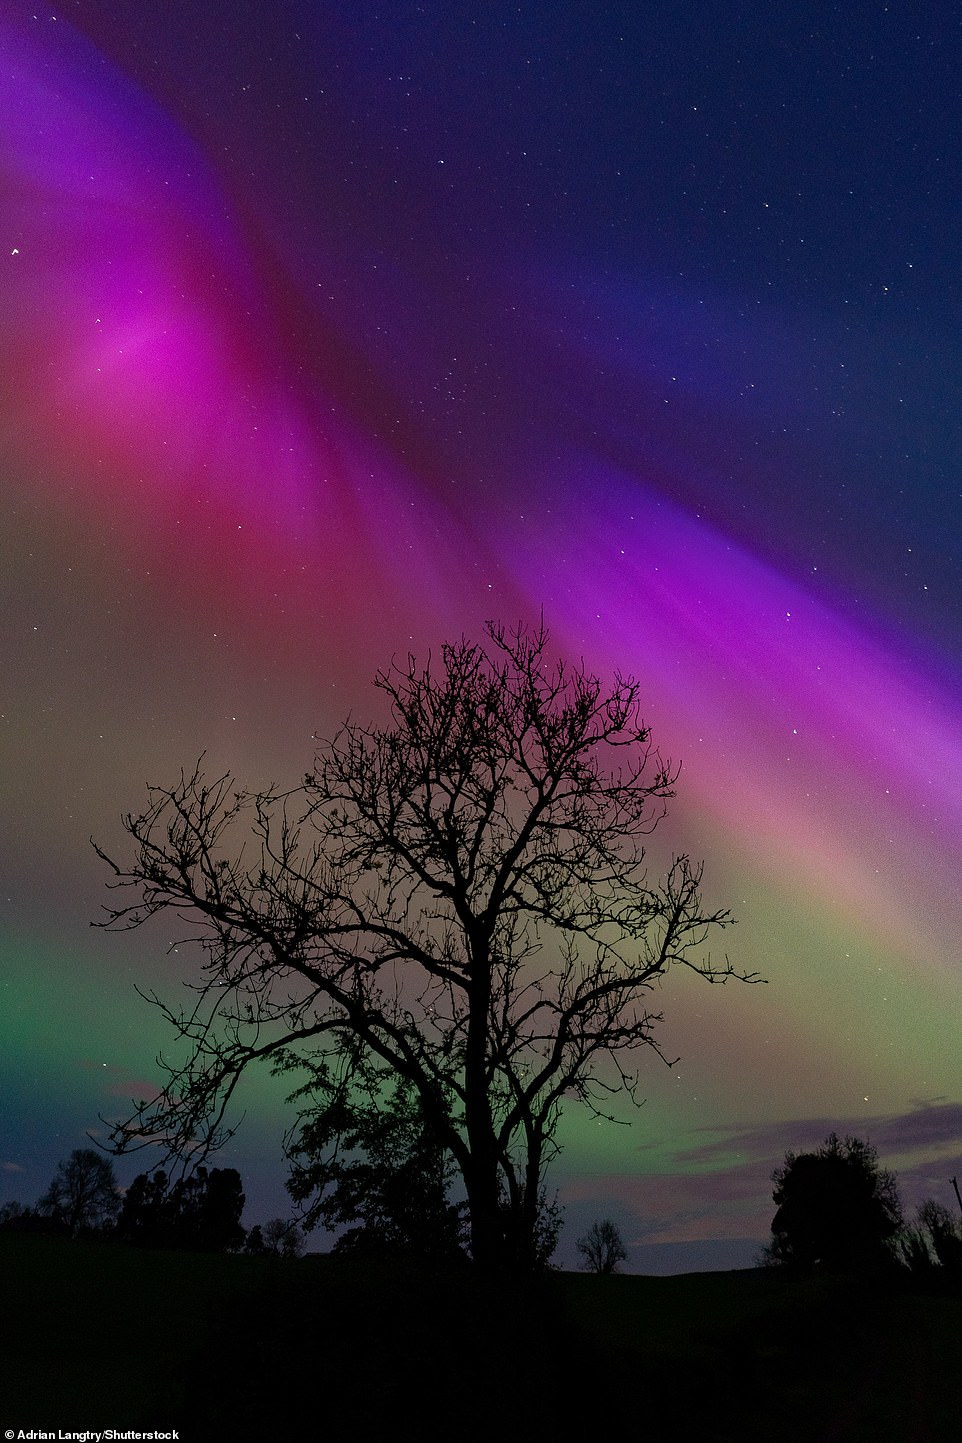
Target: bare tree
[[461, 896], [935, 1241], [282, 1238], [83, 1194], [602, 1248]]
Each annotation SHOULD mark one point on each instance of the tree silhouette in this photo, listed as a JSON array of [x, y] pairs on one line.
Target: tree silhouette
[[935, 1242], [838, 1210], [201, 1212], [83, 1195], [282, 1238], [943, 1233], [464, 893], [366, 1159], [16, 1218], [148, 1216], [255, 1243], [602, 1248], [218, 1210]]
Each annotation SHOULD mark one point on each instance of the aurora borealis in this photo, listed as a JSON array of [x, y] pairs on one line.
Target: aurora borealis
[[329, 334]]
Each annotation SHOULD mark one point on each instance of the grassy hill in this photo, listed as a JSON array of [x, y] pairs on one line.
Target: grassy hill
[[97, 1336]]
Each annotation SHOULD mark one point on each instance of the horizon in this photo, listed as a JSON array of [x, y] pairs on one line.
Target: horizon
[[329, 340]]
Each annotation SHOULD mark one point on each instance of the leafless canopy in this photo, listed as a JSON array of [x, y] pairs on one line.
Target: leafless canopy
[[602, 1248], [463, 894]]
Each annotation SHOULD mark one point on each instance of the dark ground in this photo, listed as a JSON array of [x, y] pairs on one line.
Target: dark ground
[[97, 1337]]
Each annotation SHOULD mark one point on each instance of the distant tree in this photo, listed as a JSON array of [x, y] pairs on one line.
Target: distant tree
[[83, 1194], [254, 1244], [218, 1211], [282, 1238], [147, 1215], [914, 1251], [838, 1210], [944, 1234], [15, 1217], [935, 1242], [465, 891], [602, 1248], [200, 1212]]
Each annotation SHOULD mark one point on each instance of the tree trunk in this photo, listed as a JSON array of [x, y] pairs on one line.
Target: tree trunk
[[487, 1225], [481, 1177]]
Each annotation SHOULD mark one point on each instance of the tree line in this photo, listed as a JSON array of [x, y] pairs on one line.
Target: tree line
[[838, 1210], [199, 1212]]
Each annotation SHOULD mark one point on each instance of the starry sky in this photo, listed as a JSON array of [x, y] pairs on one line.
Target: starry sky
[[329, 332]]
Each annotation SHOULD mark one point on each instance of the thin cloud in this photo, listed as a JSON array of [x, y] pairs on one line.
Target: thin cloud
[[928, 1127], [721, 1187], [120, 1081]]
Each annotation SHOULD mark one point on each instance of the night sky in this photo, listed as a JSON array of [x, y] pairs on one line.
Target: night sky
[[331, 331]]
